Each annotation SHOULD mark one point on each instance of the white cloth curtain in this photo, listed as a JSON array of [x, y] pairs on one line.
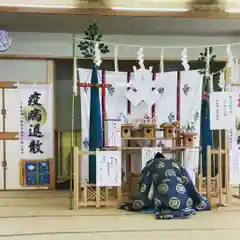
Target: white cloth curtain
[[190, 115], [166, 105]]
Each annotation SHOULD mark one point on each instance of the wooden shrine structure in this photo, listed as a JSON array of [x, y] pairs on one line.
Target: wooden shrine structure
[[215, 185]]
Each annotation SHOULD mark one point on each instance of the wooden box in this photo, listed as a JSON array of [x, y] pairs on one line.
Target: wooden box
[[126, 130], [149, 130], [188, 139], [169, 130]]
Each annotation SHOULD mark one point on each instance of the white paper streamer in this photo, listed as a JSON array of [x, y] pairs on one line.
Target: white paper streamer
[[222, 80], [140, 58], [230, 60], [162, 60], [207, 63], [185, 60], [97, 57], [116, 59]]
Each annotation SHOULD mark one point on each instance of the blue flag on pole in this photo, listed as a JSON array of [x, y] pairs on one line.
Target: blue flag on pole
[[95, 131], [206, 134]]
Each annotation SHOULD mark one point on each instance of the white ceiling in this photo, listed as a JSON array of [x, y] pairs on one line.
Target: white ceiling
[[58, 23]]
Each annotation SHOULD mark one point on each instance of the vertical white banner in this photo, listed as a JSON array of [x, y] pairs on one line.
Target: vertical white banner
[[166, 104], [108, 169], [222, 107], [116, 103], [234, 139], [36, 122], [190, 115]]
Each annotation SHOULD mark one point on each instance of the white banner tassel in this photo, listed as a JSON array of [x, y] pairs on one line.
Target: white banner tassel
[[185, 60], [116, 59]]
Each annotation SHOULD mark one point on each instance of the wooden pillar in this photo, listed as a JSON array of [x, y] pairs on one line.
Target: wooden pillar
[[50, 80]]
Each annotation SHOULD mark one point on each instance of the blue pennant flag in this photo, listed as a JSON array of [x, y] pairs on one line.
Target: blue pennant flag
[[95, 131]]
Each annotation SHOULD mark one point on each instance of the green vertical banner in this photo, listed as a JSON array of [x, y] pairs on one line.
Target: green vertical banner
[[95, 131]]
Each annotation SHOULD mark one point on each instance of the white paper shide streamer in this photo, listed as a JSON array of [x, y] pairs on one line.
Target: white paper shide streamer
[[184, 60], [140, 58], [222, 80], [230, 61], [162, 61], [116, 58], [97, 57]]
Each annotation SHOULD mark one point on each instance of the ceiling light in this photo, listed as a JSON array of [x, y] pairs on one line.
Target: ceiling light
[[232, 10], [37, 6], [150, 9]]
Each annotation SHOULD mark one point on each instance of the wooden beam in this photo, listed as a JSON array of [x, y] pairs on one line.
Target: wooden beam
[[52, 57], [9, 136], [31, 57], [8, 84], [110, 12]]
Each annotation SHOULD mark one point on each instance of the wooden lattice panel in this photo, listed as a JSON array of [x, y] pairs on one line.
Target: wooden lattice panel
[[94, 196]]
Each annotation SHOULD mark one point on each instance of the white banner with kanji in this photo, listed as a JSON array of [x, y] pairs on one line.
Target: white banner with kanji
[[36, 122], [234, 139], [222, 107]]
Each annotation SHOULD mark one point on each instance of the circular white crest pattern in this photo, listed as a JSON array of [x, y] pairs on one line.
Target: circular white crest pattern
[[184, 180], [201, 206], [160, 164], [174, 203], [143, 188], [5, 41], [170, 173], [180, 188], [163, 188], [138, 204], [189, 203]]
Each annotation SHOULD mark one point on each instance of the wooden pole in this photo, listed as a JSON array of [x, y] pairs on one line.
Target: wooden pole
[[209, 174], [76, 177], [73, 116], [50, 80], [220, 192]]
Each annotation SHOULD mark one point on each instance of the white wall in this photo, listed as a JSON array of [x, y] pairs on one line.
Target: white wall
[[60, 45]]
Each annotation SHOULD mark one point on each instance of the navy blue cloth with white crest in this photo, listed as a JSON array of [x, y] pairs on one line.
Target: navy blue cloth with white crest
[[166, 190]]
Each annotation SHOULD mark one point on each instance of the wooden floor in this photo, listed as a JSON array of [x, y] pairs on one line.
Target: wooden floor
[[45, 215]]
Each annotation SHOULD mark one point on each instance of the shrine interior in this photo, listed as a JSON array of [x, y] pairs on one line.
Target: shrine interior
[[63, 105]]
